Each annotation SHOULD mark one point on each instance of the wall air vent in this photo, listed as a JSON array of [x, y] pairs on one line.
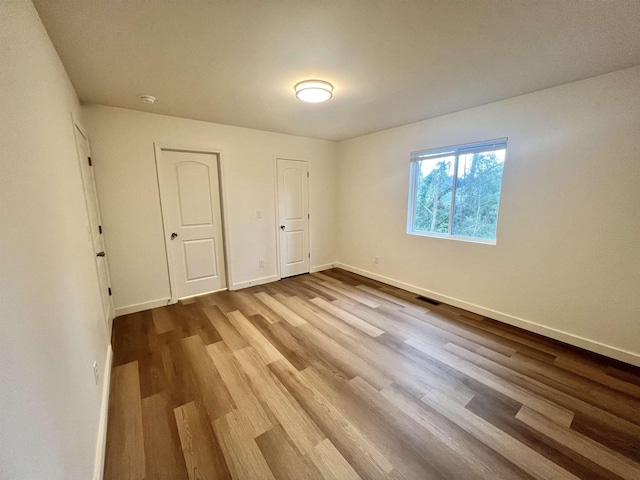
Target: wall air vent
[[429, 300]]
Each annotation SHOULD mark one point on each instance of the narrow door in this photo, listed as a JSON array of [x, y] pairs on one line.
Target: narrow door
[[293, 216], [190, 194], [95, 225]]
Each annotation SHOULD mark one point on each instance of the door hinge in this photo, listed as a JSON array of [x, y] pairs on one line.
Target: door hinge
[[90, 164], [307, 174], [308, 215], [100, 229], [309, 255], [109, 291]]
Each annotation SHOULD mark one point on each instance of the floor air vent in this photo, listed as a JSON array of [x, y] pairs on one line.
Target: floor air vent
[[429, 300]]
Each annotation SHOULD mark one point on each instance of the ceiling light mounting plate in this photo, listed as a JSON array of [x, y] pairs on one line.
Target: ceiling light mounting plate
[[150, 99], [313, 91]]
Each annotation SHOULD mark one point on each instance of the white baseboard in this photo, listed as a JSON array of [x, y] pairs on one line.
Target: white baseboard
[[101, 444], [319, 268], [274, 278], [140, 307], [566, 337], [252, 283], [200, 294]]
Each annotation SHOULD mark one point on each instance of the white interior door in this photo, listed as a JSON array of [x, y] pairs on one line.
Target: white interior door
[[293, 216], [190, 197], [95, 225]]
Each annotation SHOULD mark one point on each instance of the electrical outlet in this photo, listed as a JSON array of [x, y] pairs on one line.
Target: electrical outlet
[[96, 375], [259, 214], [261, 263], [376, 260]]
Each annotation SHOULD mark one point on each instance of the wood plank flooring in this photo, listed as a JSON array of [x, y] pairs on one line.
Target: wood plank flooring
[[336, 376]]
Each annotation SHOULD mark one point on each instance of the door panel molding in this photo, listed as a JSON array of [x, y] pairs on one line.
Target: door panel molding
[[224, 262]]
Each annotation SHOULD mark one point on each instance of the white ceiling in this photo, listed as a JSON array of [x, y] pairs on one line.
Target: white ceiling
[[392, 62]]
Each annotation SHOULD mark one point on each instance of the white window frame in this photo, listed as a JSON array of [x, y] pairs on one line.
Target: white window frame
[[433, 154]]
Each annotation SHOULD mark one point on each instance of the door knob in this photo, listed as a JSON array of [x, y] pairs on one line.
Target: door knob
[[100, 254], [174, 235], [282, 227]]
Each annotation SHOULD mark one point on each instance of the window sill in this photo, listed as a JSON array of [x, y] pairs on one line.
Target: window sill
[[444, 236]]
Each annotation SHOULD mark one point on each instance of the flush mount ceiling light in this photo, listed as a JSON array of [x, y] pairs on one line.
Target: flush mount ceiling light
[[150, 99], [313, 91]]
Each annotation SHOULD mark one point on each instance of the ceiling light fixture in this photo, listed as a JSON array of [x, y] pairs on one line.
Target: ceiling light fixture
[[148, 99], [313, 91]]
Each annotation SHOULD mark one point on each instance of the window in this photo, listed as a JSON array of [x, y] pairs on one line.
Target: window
[[455, 191]]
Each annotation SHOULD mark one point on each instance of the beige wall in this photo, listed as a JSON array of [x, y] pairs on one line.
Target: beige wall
[[122, 144], [567, 259], [50, 310]]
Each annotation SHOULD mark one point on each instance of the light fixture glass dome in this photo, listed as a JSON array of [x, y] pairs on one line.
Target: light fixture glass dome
[[314, 91]]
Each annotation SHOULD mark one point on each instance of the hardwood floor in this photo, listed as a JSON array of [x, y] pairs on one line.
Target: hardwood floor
[[335, 376]]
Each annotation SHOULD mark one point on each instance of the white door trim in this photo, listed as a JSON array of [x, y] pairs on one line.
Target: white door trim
[[277, 211], [158, 148]]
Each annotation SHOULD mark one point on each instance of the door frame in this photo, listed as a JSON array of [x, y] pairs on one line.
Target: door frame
[[276, 198], [159, 147], [111, 313]]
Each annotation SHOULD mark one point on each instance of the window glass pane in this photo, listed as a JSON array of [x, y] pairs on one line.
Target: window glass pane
[[477, 196], [434, 179]]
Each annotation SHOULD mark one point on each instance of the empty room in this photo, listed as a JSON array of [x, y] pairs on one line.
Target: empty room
[[324, 240]]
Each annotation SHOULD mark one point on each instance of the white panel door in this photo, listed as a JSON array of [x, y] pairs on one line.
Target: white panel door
[[190, 194], [95, 226], [293, 216]]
